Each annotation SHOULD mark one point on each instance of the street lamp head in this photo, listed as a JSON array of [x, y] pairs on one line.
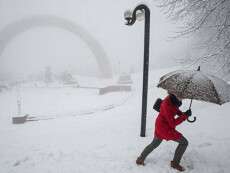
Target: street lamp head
[[131, 16], [140, 15], [128, 16]]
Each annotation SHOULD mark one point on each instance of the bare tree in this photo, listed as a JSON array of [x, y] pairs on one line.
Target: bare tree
[[48, 75], [209, 21]]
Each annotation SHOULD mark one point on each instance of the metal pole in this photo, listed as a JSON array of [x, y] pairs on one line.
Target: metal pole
[[145, 73], [190, 104], [130, 21]]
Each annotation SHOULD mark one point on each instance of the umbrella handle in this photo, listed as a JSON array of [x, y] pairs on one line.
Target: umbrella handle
[[194, 118], [191, 121], [190, 104]]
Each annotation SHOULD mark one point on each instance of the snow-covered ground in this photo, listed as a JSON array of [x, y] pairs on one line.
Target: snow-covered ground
[[105, 140]]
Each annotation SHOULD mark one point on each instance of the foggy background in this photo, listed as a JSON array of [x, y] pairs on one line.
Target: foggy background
[[71, 84], [32, 51]]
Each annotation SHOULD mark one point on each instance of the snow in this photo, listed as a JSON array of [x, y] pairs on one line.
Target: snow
[[107, 140]]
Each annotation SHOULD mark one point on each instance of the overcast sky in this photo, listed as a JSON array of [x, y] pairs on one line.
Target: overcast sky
[[33, 50]]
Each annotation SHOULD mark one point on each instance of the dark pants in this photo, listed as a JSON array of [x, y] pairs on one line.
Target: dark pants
[[183, 143]]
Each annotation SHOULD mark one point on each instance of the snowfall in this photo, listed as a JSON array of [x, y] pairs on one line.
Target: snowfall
[[80, 131]]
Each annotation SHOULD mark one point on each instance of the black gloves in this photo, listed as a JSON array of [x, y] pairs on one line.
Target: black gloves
[[188, 112]]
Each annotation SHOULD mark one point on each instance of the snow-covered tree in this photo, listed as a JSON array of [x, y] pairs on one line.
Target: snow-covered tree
[[48, 75], [209, 21], [67, 78]]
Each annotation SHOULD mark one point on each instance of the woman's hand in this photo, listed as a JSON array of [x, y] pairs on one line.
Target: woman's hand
[[188, 112]]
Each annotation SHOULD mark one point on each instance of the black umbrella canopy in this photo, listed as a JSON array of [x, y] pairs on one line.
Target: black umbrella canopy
[[192, 84]]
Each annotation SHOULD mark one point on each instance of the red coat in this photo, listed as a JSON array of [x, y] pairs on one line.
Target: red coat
[[166, 122]]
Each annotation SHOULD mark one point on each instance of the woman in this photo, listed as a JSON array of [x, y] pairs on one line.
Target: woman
[[165, 130]]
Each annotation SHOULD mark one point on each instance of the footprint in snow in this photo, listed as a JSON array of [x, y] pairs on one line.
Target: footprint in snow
[[206, 144], [18, 162]]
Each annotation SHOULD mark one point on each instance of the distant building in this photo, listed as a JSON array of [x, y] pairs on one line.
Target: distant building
[[125, 79]]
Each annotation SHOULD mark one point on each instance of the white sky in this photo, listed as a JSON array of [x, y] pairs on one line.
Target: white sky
[[37, 48]]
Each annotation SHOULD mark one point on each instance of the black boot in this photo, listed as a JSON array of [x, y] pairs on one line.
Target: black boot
[[140, 161], [177, 166]]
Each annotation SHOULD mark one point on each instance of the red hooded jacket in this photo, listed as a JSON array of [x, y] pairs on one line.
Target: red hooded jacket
[[165, 125]]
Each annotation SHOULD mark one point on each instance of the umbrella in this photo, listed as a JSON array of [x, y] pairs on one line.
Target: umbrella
[[195, 84]]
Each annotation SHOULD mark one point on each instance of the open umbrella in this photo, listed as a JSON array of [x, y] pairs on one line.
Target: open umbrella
[[195, 84]]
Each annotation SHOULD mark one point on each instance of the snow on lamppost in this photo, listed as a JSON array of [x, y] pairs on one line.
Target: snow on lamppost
[[139, 13]]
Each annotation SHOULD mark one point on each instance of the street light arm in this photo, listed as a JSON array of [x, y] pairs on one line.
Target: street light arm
[[132, 19]]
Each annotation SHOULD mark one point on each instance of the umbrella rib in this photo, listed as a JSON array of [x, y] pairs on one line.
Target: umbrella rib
[[217, 95], [187, 83], [166, 79], [215, 91]]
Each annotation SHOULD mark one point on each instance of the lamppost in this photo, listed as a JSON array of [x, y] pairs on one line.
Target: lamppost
[[131, 17]]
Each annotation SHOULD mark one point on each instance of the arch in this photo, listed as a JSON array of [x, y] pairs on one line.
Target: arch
[[9, 32]]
